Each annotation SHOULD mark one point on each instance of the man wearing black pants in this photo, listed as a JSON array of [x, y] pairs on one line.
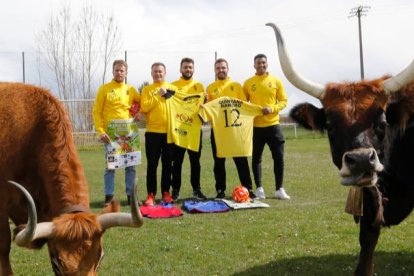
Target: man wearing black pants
[[222, 87], [154, 106], [267, 91], [187, 85], [243, 171]]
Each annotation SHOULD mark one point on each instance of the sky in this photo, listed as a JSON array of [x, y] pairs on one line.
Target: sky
[[321, 36]]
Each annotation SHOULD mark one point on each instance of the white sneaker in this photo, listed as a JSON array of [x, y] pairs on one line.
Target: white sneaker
[[281, 194], [260, 194]]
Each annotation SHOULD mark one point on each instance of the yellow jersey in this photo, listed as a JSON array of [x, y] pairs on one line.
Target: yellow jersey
[[154, 107], [266, 90], [112, 102], [184, 125], [232, 123], [188, 86], [225, 88]]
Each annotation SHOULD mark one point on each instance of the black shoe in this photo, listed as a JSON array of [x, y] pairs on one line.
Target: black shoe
[[199, 195], [108, 199], [175, 195], [252, 195], [220, 194], [129, 199]]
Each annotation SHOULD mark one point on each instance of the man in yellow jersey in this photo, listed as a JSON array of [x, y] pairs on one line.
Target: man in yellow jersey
[[187, 85], [267, 91], [224, 86], [113, 101], [156, 146]]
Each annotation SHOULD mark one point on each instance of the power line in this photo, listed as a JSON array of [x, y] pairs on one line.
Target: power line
[[360, 11]]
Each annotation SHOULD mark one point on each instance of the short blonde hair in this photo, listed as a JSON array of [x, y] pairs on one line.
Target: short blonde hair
[[120, 62]]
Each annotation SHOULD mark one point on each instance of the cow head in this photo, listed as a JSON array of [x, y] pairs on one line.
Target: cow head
[[353, 115], [74, 238]]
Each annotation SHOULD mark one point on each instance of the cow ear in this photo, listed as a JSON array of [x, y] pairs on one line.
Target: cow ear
[[398, 115], [309, 116]]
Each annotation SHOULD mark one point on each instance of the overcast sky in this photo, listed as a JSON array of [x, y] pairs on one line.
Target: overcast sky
[[321, 37]]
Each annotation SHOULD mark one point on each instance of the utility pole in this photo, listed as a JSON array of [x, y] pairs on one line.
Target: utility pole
[[360, 11], [24, 68]]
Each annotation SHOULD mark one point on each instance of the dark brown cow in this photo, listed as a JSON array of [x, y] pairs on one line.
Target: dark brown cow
[[37, 151], [370, 126]]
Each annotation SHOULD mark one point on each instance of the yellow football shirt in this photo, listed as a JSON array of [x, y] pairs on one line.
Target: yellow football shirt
[[154, 107], [188, 86], [225, 88], [184, 125], [232, 123], [266, 90], [113, 101]]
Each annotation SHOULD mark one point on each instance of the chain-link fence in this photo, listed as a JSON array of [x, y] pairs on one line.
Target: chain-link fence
[[80, 114]]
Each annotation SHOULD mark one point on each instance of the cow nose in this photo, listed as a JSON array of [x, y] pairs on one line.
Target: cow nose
[[361, 160]]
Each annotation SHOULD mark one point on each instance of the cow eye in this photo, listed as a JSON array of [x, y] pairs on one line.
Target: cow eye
[[380, 127]]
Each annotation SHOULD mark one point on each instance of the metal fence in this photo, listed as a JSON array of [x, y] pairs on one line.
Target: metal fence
[[80, 114]]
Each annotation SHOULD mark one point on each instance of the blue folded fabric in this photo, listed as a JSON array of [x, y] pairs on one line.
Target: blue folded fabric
[[210, 206]]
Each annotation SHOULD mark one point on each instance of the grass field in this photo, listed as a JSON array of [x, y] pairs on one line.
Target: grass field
[[308, 235]]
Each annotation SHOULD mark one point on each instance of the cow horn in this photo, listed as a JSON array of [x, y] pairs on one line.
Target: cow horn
[[404, 77], [134, 219], [33, 230], [313, 89]]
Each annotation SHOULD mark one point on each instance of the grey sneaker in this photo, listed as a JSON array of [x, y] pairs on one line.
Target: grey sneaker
[[260, 193], [281, 194]]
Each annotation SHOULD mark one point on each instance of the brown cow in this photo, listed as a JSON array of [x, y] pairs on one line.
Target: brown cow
[[37, 151], [370, 126]]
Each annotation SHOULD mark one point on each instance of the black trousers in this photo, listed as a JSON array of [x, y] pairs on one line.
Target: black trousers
[[273, 137], [155, 147], [178, 158], [242, 166]]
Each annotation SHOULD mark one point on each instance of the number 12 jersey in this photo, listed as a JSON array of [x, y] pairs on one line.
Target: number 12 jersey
[[232, 123]]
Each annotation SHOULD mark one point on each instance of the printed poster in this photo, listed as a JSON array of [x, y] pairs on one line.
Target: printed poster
[[125, 148]]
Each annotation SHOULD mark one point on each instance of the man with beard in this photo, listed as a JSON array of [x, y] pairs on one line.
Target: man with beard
[[267, 91], [113, 101], [187, 85], [222, 87]]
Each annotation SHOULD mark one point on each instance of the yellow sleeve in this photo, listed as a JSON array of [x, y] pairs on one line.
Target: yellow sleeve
[[148, 101], [246, 91], [97, 111], [136, 96], [240, 93], [281, 98]]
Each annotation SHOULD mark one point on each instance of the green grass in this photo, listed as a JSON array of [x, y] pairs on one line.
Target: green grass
[[308, 235]]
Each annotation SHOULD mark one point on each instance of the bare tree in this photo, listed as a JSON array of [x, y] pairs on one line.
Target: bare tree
[[112, 40], [53, 44], [74, 48]]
